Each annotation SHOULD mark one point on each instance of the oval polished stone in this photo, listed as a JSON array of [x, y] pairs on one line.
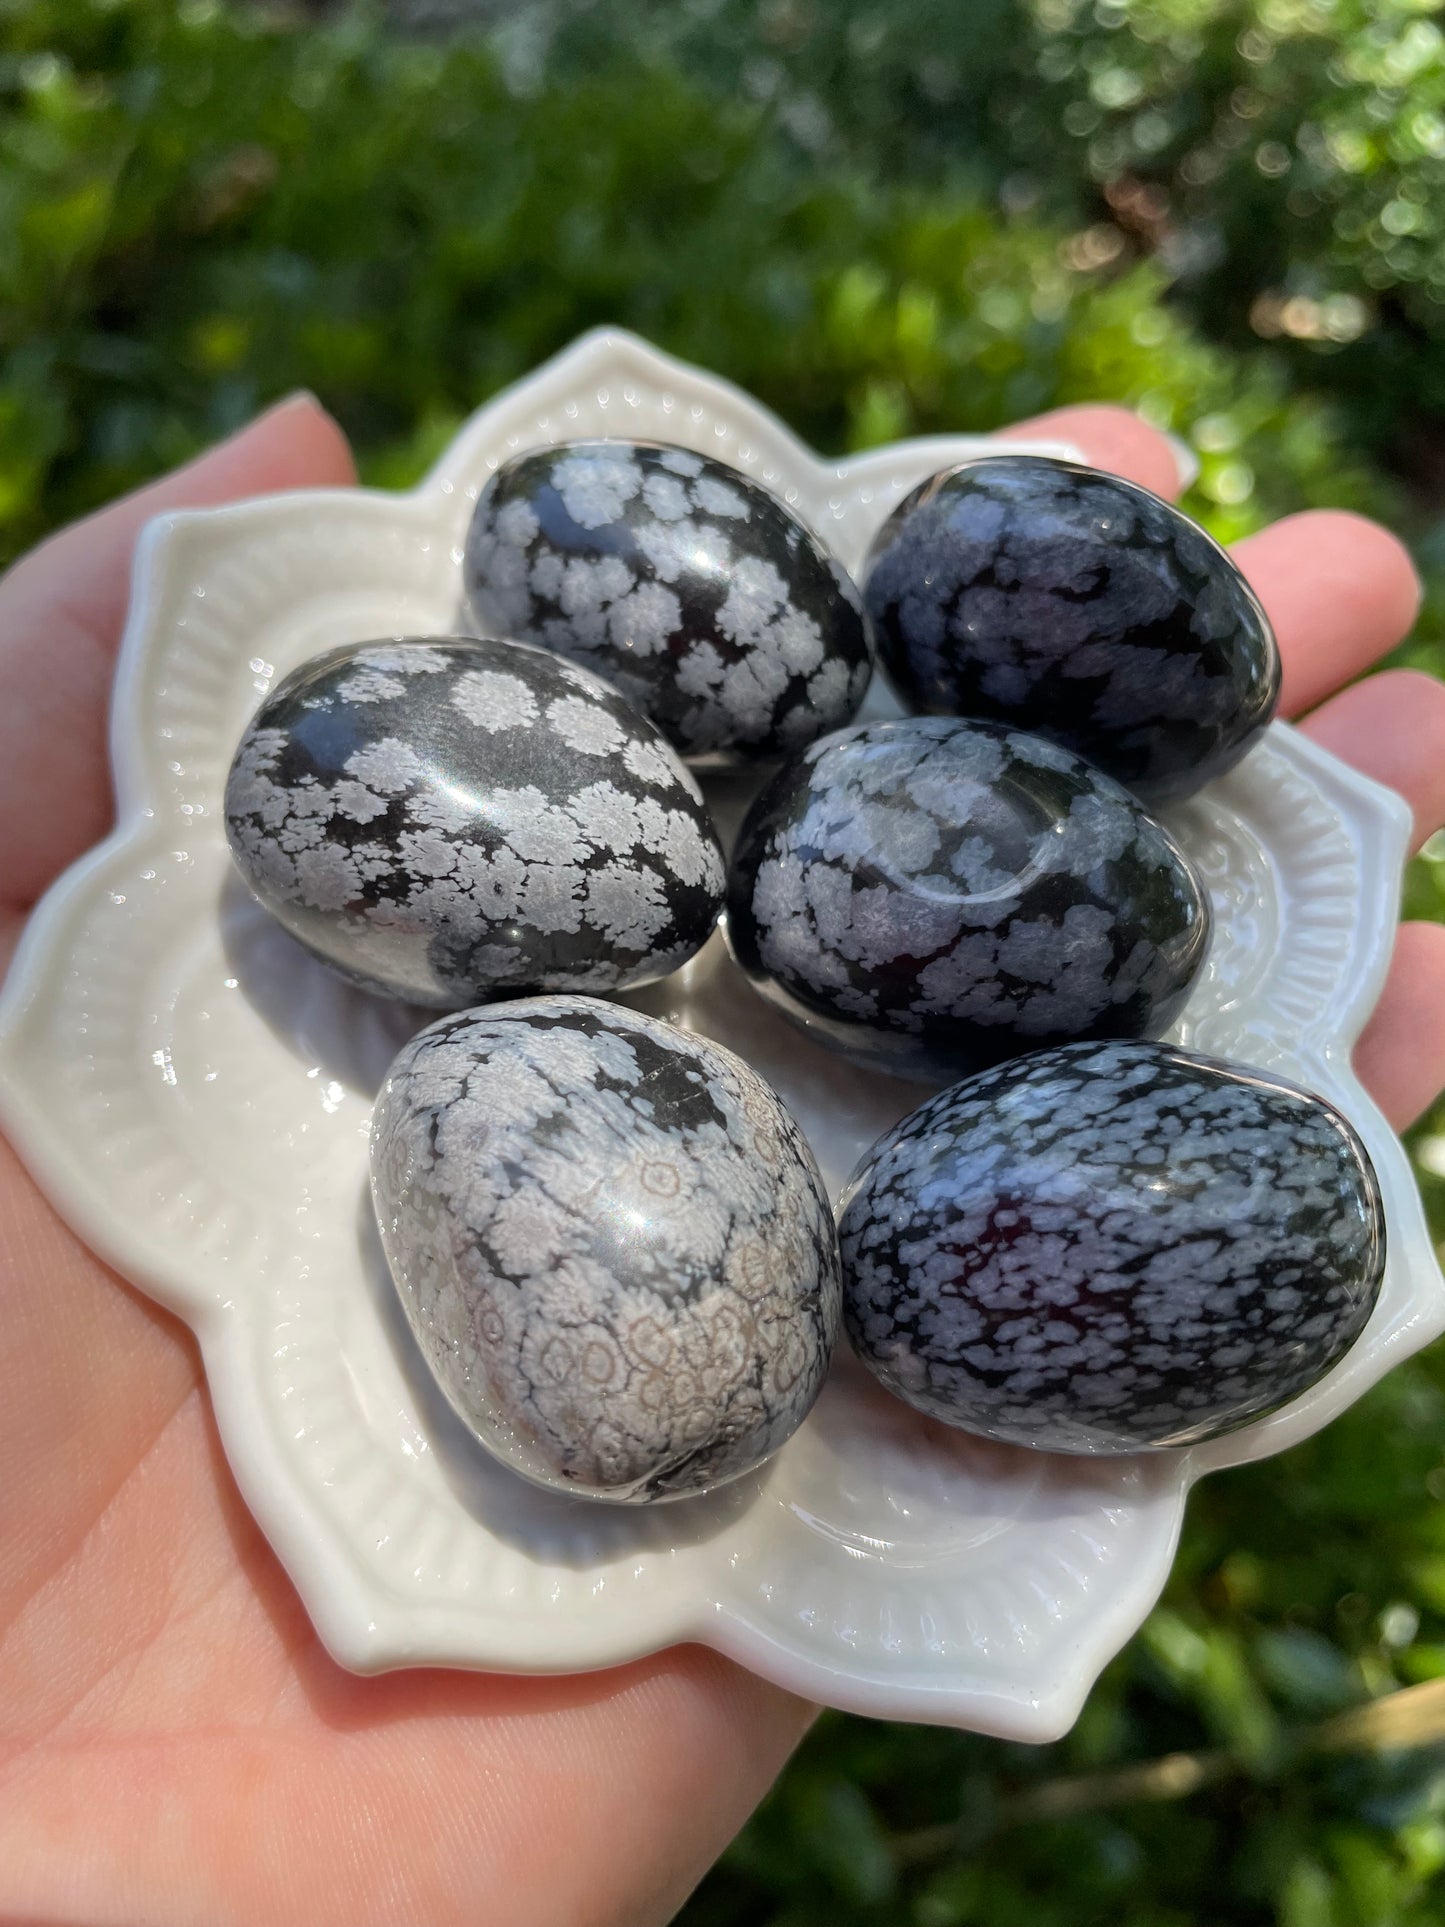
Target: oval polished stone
[[1114, 1246], [1070, 602], [447, 821], [936, 895], [695, 592], [612, 1244]]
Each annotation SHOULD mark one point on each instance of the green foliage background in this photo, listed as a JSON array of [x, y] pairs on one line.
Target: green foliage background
[[901, 216]]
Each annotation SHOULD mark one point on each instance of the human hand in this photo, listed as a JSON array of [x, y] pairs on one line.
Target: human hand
[[175, 1746]]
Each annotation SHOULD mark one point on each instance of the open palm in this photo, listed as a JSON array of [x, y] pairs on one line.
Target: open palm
[[174, 1744]]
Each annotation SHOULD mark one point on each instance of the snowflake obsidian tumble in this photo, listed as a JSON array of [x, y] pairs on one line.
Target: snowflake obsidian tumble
[[612, 1244], [1111, 1246], [936, 895], [448, 820], [693, 590], [1067, 601]]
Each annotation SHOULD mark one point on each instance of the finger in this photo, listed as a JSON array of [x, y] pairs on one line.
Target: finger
[[1400, 1057], [61, 611], [1111, 438], [1392, 728], [1340, 592]]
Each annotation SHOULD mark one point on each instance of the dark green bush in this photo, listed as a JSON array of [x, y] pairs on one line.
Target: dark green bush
[[200, 213], [1284, 160], [880, 220]]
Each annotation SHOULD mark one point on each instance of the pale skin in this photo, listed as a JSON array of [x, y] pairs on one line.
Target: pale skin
[[175, 1746]]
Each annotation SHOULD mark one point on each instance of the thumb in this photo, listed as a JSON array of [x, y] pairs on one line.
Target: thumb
[[61, 611]]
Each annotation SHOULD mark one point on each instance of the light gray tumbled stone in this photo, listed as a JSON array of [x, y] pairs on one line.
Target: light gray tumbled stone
[[611, 1242]]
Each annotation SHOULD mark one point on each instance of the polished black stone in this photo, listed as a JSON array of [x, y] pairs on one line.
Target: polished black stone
[[695, 592], [937, 895], [611, 1241], [1062, 600], [447, 822], [1112, 1246]]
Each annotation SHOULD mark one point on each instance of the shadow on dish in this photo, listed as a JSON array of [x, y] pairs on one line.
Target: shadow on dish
[[347, 1033]]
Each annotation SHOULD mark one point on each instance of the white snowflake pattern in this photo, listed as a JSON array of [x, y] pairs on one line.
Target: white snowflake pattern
[[249, 787], [524, 1235], [585, 726], [646, 620], [756, 593], [626, 904], [326, 877], [405, 659], [828, 689], [425, 853], [652, 821], [387, 766], [368, 685], [750, 689], [700, 670], [492, 882], [270, 867], [681, 461], [589, 586], [538, 830], [608, 816], [678, 548], [445, 806], [549, 571], [596, 488], [716, 497], [665, 496], [690, 855], [798, 641], [549, 898], [651, 763], [493, 700], [517, 524], [295, 833], [356, 803]]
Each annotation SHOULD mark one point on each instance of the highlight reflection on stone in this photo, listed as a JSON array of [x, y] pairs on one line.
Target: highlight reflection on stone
[[611, 1242]]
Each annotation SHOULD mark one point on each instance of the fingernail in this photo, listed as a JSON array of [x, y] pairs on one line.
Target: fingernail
[[1185, 460], [298, 398]]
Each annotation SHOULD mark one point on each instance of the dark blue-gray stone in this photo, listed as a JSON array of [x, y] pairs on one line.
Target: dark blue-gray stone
[[611, 1242], [695, 592], [448, 822], [1107, 1247], [1066, 601], [936, 895]]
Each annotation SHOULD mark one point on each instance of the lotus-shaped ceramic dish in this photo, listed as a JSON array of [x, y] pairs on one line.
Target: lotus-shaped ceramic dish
[[194, 1092]]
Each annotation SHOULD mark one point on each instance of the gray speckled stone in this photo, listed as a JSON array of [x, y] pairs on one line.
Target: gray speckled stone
[[611, 1241], [694, 591], [936, 895], [448, 821], [1107, 1247], [1061, 600]]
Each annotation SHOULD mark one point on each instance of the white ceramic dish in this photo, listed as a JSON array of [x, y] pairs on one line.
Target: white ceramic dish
[[193, 1092]]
